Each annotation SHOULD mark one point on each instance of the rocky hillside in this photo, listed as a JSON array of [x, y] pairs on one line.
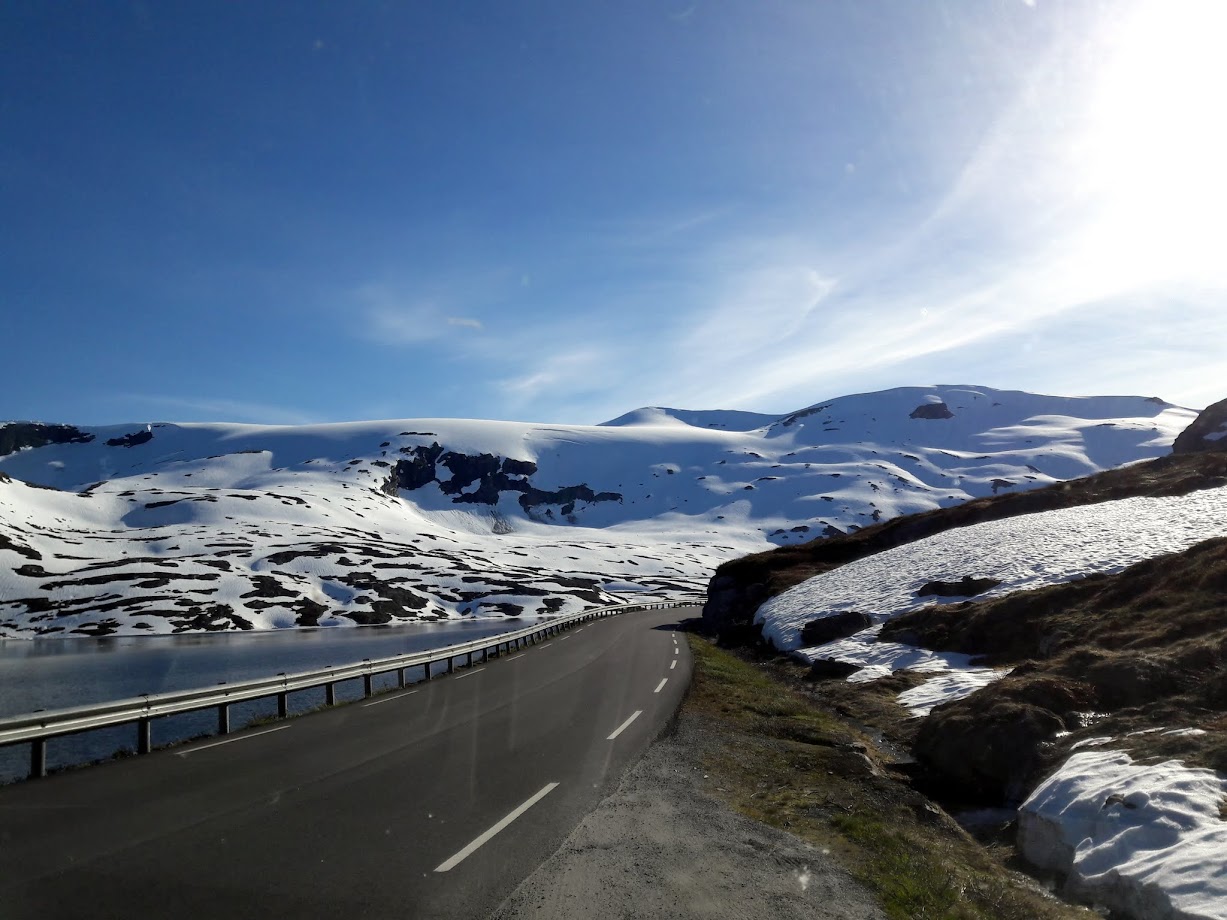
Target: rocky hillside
[[163, 527], [1062, 652]]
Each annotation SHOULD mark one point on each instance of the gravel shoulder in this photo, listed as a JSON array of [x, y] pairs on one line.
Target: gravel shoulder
[[659, 847]]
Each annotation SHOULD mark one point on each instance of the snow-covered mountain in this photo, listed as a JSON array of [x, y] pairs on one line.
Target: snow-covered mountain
[[170, 527]]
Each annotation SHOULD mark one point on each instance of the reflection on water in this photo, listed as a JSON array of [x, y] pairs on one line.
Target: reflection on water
[[57, 673]]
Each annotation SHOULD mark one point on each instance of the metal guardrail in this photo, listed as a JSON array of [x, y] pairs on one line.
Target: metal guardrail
[[36, 728]]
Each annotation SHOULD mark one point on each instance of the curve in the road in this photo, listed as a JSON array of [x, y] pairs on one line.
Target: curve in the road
[[432, 802]]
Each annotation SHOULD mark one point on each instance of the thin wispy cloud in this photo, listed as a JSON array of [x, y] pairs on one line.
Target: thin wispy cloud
[[219, 409], [392, 317]]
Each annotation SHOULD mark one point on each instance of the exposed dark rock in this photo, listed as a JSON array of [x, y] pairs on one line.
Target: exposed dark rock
[[1207, 432], [514, 467], [309, 612], [492, 475], [16, 435], [29, 552], [965, 587], [991, 744], [999, 484], [826, 669], [839, 626], [415, 472], [131, 440], [934, 410], [266, 586]]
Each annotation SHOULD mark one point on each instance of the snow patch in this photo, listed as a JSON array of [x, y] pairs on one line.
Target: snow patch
[[1144, 839]]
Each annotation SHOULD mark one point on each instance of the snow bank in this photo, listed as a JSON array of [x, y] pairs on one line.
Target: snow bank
[[1025, 552], [1146, 840]]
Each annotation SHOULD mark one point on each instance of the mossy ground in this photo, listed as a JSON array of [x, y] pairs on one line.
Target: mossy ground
[[792, 763]]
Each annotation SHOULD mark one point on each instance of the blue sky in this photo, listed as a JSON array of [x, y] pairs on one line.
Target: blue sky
[[559, 211]]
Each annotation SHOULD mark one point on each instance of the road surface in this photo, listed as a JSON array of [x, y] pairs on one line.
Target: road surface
[[431, 802]]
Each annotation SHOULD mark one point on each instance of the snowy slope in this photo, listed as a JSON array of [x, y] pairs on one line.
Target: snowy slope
[[1024, 552], [208, 526]]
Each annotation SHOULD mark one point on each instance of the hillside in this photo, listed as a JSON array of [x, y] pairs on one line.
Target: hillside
[[172, 527], [1061, 653]]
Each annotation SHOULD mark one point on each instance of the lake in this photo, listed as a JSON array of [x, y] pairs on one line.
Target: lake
[[57, 673]]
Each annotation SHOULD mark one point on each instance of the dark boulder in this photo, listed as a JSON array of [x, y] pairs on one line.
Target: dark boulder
[[827, 669], [1207, 432], [935, 410], [839, 626], [731, 602], [965, 587], [992, 743]]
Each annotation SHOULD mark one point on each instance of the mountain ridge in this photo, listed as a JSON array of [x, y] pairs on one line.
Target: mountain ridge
[[249, 526]]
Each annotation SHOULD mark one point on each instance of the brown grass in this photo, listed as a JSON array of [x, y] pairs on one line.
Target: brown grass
[[788, 761], [1145, 648]]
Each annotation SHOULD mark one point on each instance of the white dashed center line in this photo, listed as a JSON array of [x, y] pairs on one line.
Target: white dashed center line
[[469, 673], [621, 728], [388, 699], [661, 685], [672, 664], [473, 847], [212, 744]]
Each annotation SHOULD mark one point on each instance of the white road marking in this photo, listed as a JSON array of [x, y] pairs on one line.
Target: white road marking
[[201, 747], [675, 651], [621, 728], [387, 699], [473, 847], [470, 673], [580, 630], [563, 638], [672, 664], [514, 657], [661, 685]]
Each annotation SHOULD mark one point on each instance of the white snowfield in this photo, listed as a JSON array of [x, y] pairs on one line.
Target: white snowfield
[[1143, 839], [1024, 552], [180, 527]]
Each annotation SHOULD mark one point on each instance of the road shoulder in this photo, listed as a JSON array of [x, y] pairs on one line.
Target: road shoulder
[[660, 847]]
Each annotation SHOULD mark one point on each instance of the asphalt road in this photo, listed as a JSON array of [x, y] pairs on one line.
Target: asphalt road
[[433, 802]]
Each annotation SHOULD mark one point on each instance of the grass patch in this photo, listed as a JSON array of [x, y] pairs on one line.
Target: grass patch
[[790, 763]]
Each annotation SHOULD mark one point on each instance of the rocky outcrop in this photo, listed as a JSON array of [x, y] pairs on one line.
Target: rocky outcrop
[[934, 410], [991, 744], [17, 435], [483, 478], [1208, 431], [731, 604], [839, 626], [131, 440], [964, 587]]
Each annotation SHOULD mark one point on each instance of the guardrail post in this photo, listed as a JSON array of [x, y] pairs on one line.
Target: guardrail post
[[485, 655], [223, 719], [427, 667], [38, 758], [451, 664], [367, 688], [400, 678], [144, 735], [283, 705], [469, 664], [330, 694]]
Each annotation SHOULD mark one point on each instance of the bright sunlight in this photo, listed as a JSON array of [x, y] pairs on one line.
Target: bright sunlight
[[1155, 150]]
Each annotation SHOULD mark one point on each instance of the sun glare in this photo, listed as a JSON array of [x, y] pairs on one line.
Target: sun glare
[[1154, 155]]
